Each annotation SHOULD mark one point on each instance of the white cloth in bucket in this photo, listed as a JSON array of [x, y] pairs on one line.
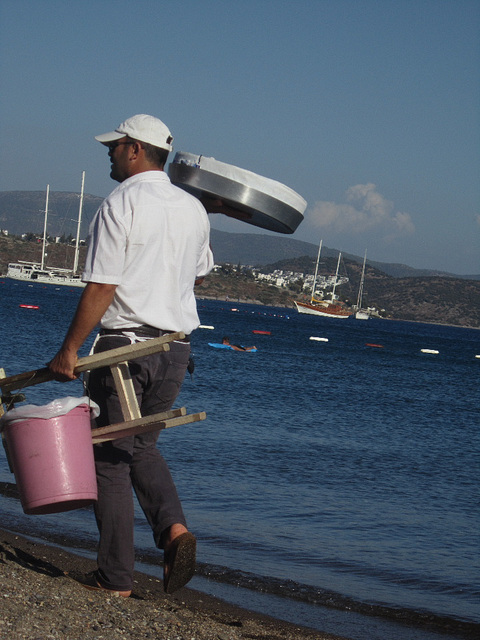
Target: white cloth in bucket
[[54, 409]]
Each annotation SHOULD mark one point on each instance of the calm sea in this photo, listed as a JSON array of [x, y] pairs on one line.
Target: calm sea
[[333, 484]]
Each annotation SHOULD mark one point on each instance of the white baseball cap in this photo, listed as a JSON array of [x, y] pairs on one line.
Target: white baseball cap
[[141, 127]]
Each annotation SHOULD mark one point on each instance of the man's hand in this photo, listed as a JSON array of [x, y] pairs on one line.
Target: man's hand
[[63, 364], [93, 303], [217, 205]]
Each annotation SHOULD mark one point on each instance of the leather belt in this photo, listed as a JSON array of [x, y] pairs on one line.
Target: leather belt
[[143, 331]]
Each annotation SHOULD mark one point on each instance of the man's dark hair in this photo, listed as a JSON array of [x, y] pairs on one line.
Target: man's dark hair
[[155, 154]]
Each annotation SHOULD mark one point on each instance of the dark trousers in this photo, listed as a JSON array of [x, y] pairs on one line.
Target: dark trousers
[[134, 462]]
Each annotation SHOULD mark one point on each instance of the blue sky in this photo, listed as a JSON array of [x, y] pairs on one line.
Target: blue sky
[[369, 109]]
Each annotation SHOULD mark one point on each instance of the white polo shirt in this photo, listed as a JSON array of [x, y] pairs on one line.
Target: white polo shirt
[[152, 240]]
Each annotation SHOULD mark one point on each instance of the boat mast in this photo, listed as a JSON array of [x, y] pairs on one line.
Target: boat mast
[[45, 229], [316, 271], [77, 241], [360, 288], [336, 277]]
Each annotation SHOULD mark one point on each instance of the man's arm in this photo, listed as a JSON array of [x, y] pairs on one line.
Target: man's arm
[[95, 300], [217, 205]]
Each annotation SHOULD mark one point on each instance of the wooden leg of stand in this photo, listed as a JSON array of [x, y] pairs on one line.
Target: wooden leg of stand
[[143, 425], [125, 390]]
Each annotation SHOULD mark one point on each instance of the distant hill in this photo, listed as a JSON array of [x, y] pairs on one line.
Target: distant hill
[[23, 212], [260, 250]]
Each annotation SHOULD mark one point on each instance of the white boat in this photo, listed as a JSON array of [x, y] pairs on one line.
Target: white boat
[[38, 271], [327, 308], [32, 272], [362, 314]]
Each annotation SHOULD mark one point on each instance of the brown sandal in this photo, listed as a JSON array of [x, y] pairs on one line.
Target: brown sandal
[[179, 562], [90, 581]]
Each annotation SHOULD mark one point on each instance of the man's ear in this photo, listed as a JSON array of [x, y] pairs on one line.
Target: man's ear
[[135, 148]]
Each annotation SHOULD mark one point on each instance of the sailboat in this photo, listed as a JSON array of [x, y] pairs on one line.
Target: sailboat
[[38, 271], [326, 308], [362, 314]]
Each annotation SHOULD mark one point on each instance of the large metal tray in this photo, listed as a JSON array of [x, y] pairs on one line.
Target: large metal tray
[[265, 210]]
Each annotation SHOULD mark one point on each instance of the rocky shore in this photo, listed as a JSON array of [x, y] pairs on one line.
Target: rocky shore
[[40, 602]]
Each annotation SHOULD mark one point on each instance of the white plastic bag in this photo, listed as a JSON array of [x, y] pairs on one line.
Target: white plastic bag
[[54, 409]]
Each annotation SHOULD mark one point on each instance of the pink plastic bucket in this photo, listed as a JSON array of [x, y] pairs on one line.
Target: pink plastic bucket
[[52, 460]]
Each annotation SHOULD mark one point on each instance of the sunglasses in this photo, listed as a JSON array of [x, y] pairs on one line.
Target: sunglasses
[[112, 146]]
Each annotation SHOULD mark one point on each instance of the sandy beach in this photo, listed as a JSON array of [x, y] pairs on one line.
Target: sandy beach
[[39, 602]]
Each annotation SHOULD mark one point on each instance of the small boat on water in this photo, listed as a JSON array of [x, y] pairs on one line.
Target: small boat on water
[[362, 314], [38, 271], [327, 308], [322, 308]]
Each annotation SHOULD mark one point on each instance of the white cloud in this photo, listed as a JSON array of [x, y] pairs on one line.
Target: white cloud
[[364, 210]]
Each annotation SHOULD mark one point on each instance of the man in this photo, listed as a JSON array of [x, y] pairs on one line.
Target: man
[[148, 246], [236, 347]]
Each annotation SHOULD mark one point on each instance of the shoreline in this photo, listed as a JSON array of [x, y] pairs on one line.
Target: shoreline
[[33, 585], [39, 600], [251, 301], [292, 307]]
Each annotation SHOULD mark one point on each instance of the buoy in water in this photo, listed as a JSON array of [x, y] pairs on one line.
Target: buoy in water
[[29, 306], [429, 351], [318, 339], [205, 326], [377, 346], [262, 333]]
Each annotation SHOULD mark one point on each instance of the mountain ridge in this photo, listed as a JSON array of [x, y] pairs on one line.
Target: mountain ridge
[[23, 212]]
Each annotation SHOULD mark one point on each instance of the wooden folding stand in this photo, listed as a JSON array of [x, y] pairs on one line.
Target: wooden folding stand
[[117, 360]]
